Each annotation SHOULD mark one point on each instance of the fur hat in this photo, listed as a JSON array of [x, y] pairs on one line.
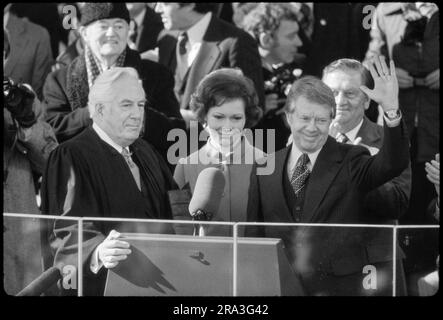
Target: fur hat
[[94, 11]]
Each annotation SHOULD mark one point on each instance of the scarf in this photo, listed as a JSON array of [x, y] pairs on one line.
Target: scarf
[[94, 67]]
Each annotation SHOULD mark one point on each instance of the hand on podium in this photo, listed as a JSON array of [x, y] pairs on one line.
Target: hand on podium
[[111, 251]]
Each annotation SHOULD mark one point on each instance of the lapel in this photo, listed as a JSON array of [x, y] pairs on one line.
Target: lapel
[[370, 133], [281, 159], [204, 62], [325, 169], [18, 42], [167, 46]]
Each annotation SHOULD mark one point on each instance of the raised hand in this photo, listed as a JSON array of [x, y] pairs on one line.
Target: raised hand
[[385, 91]]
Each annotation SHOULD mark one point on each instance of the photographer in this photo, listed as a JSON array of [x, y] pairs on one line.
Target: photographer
[[275, 28], [27, 143]]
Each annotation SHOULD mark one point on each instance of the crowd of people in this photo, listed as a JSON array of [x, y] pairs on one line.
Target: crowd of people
[[349, 114]]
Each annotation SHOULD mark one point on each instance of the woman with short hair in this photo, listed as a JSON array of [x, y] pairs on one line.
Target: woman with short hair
[[225, 103]]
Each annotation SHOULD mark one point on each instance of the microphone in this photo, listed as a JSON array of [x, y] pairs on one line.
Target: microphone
[[207, 195], [42, 283]]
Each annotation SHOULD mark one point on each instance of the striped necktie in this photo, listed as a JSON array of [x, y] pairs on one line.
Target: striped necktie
[[342, 138], [132, 166], [300, 175]]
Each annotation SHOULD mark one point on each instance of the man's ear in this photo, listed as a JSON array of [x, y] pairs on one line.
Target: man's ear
[[366, 102], [266, 41], [288, 117], [99, 108]]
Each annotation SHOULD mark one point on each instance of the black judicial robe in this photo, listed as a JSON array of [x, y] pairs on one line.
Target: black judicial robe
[[104, 187]]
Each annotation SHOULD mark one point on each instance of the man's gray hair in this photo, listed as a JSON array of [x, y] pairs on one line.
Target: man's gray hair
[[104, 85], [312, 89], [346, 65]]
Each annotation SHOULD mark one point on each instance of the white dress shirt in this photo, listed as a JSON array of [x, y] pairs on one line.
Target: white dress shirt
[[195, 37], [352, 134]]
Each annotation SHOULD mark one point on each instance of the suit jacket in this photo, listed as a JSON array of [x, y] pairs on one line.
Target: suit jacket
[[148, 32], [418, 60], [390, 201], [223, 46], [330, 261], [104, 187], [338, 33], [30, 59]]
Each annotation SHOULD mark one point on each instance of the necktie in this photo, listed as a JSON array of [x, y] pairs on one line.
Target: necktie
[[342, 138], [301, 174], [182, 41], [132, 166], [182, 58]]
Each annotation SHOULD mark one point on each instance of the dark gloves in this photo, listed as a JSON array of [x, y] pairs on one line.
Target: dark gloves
[[19, 101]]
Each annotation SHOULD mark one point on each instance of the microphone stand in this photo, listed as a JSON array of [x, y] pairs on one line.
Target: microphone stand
[[200, 215]]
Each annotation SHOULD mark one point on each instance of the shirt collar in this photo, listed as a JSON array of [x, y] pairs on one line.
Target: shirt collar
[[198, 30], [352, 134], [104, 136], [296, 153], [139, 17], [236, 156]]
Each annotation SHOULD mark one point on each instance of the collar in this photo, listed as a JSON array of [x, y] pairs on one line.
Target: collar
[[214, 152], [236, 156], [104, 136], [296, 153], [352, 134], [139, 17], [198, 30]]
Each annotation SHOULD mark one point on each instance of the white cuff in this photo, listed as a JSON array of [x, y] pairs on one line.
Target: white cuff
[[392, 123], [95, 264]]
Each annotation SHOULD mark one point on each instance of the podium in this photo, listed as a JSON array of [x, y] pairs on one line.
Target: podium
[[182, 265]]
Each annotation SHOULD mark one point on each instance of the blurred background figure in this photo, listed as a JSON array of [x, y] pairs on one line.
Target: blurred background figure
[[428, 285], [144, 27], [433, 175], [275, 28], [74, 44], [197, 42], [225, 102], [30, 58], [410, 37], [44, 14], [27, 143]]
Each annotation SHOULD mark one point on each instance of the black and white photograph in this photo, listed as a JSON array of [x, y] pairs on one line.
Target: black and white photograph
[[261, 151]]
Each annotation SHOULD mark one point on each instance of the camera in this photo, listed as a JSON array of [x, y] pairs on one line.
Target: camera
[[282, 80], [12, 93]]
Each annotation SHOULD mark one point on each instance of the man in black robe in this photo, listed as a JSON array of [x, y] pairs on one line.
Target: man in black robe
[[94, 175]]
